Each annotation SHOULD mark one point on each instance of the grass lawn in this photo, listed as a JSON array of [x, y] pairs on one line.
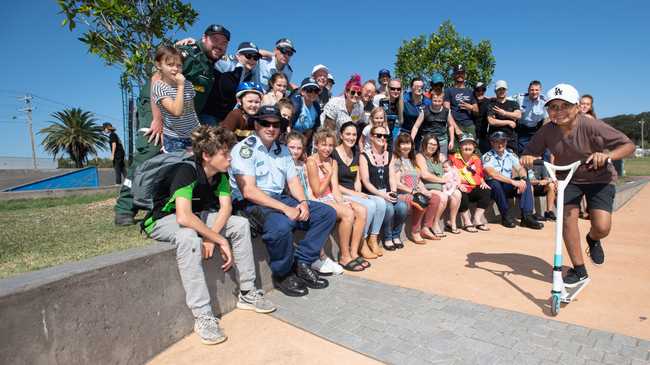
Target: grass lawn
[[637, 166], [41, 233]]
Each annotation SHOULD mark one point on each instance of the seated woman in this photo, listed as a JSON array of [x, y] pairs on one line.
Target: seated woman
[[322, 174], [473, 187], [296, 145], [429, 161], [375, 177], [407, 176], [347, 160]]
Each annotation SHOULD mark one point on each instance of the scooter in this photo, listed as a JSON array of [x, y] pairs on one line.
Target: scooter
[[560, 293]]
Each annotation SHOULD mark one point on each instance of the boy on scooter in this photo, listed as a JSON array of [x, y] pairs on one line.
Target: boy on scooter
[[571, 137]]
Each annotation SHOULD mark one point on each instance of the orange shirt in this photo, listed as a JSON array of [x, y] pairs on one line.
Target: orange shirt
[[471, 172]]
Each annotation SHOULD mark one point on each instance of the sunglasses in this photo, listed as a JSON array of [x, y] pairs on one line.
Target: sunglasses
[[286, 51], [395, 88], [312, 90], [380, 135], [355, 92], [267, 124], [252, 56]]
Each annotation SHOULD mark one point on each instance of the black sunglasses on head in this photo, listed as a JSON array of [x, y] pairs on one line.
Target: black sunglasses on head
[[252, 56], [286, 51]]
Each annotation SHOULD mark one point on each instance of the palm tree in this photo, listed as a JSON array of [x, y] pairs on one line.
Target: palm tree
[[75, 133]]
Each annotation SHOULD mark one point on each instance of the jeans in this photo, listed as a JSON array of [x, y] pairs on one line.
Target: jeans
[[376, 208], [394, 219], [502, 191], [173, 144]]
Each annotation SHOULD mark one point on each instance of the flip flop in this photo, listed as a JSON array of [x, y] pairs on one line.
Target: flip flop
[[470, 228], [453, 230], [483, 227], [361, 261], [353, 265]]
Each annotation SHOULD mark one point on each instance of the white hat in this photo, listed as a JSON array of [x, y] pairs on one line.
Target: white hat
[[564, 92], [319, 67], [500, 84]]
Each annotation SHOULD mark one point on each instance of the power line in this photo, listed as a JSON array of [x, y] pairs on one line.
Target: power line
[[70, 106]]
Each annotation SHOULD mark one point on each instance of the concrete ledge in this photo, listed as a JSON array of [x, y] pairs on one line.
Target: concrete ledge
[[57, 193], [121, 308]]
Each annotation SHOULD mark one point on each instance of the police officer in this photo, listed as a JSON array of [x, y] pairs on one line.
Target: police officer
[[533, 114], [197, 67], [279, 62], [507, 178], [261, 169]]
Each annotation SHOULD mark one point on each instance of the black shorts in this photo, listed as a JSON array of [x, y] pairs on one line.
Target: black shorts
[[599, 196], [539, 190]]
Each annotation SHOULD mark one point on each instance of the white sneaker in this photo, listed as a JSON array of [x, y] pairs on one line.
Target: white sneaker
[[326, 266]]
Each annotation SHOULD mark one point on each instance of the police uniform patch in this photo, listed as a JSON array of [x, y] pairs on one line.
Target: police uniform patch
[[245, 152], [250, 142], [487, 157]]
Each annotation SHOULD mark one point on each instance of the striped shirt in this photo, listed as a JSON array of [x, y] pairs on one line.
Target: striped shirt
[[178, 127]]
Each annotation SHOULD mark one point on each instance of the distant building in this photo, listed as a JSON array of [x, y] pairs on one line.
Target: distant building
[[25, 163]]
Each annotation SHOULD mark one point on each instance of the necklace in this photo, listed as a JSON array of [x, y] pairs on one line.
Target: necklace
[[345, 157]]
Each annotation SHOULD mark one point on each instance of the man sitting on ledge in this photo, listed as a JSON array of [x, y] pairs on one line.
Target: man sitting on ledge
[[507, 179], [192, 210], [261, 169]]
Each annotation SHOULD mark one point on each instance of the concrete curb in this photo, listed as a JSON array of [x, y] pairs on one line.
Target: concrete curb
[[57, 193]]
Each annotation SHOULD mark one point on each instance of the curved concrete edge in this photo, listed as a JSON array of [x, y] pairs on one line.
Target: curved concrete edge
[[121, 308], [627, 191], [57, 193]]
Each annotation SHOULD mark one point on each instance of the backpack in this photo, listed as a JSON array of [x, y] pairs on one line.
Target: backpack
[[150, 172]]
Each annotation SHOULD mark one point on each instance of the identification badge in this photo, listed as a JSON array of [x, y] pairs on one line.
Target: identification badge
[[354, 168], [199, 88]]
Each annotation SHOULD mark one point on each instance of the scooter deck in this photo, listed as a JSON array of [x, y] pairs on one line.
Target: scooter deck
[[568, 294]]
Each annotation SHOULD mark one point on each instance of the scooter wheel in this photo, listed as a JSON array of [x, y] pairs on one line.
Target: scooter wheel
[[555, 305]]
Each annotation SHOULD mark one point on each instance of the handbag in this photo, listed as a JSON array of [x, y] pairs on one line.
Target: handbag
[[420, 201]]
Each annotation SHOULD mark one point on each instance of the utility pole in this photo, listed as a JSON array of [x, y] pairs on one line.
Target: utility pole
[[28, 109], [642, 122]]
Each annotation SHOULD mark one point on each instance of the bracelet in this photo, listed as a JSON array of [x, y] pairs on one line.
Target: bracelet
[[302, 201]]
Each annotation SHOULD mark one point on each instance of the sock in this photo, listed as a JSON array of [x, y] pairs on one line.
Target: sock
[[580, 270], [244, 292]]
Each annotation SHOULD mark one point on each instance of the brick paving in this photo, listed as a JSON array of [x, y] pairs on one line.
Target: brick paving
[[406, 326]]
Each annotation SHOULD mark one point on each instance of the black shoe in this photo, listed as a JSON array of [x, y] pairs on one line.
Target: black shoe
[[508, 222], [550, 216], [529, 221], [572, 279], [124, 219], [290, 285], [398, 243], [595, 251], [310, 277], [390, 247], [539, 217]]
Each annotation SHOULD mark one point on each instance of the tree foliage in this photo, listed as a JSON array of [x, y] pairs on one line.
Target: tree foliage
[[74, 133], [126, 33], [629, 124], [440, 51]]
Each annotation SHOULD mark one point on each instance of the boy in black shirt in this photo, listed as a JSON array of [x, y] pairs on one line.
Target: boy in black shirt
[[503, 114]]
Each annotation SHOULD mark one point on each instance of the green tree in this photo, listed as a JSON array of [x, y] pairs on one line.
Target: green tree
[[76, 134], [126, 33], [440, 51]]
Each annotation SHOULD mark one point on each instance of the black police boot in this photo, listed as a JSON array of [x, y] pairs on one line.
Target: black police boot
[[310, 277], [529, 221], [508, 222], [124, 219], [290, 285]]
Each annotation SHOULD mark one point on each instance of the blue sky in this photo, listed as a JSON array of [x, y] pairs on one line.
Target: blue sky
[[600, 47]]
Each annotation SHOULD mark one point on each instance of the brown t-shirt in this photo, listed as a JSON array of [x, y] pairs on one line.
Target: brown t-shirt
[[588, 136], [236, 122]]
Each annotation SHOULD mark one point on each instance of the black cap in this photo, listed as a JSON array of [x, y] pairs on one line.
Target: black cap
[[285, 43], [267, 112], [498, 135], [108, 126], [218, 29], [458, 69], [309, 82], [247, 48], [480, 86]]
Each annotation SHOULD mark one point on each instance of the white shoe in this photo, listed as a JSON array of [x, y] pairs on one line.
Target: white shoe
[[326, 266]]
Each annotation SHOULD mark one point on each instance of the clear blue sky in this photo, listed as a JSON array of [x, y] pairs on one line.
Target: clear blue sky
[[599, 46]]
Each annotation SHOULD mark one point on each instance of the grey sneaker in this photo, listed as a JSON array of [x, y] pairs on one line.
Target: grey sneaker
[[255, 301], [207, 327]]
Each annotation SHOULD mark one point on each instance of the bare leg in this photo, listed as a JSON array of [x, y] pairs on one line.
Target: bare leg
[[360, 216], [550, 198], [479, 216], [571, 234], [454, 205], [346, 218], [601, 223], [444, 199]]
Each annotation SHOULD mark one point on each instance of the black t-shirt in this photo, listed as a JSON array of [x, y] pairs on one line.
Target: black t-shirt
[[507, 105], [454, 96], [119, 150], [347, 174], [189, 182], [480, 120], [435, 122], [378, 176]]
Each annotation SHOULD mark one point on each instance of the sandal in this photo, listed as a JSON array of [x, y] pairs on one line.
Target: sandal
[[361, 261], [470, 228], [428, 235], [453, 230], [417, 239], [482, 227], [398, 243], [352, 265]]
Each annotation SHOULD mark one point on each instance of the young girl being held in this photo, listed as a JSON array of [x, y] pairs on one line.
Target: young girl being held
[[377, 119], [175, 97]]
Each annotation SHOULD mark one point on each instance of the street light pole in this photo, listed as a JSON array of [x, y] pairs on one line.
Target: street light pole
[[28, 100], [642, 122]]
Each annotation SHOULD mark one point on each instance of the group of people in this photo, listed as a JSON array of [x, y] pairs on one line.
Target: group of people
[[272, 157]]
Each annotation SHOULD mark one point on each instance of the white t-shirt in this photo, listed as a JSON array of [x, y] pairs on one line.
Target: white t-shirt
[[335, 109]]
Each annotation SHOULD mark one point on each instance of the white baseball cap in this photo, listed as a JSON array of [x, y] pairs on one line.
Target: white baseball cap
[[319, 67], [500, 84], [564, 92]]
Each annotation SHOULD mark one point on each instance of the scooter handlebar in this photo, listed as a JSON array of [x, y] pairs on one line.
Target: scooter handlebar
[[552, 169]]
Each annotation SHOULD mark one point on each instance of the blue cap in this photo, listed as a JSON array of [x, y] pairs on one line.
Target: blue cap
[[437, 78], [498, 135], [383, 72], [267, 112]]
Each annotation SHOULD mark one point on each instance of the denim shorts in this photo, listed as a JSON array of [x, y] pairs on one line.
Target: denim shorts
[[174, 144]]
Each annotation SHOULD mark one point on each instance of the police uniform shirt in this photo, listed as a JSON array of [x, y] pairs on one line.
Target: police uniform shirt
[[230, 63], [502, 164], [272, 168], [265, 69], [532, 111]]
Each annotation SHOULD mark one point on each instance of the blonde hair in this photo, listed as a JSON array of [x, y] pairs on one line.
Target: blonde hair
[[323, 134]]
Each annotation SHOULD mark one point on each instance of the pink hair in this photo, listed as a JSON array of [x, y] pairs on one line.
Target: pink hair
[[355, 80]]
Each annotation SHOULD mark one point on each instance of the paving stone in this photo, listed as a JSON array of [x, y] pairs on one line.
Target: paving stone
[[639, 362], [566, 358], [589, 353], [567, 347], [624, 340], [616, 359], [637, 353]]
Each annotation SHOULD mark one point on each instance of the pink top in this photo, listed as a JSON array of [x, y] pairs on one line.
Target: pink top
[[327, 194], [453, 181]]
